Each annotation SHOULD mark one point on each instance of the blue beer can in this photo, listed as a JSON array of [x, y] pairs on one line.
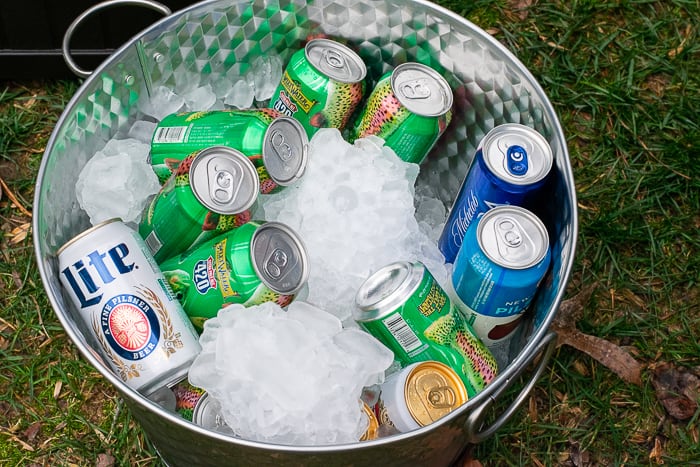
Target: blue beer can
[[497, 271], [510, 166]]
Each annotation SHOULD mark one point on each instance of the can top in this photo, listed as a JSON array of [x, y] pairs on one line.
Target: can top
[[224, 180], [285, 150], [422, 90], [433, 390], [517, 154], [207, 414], [335, 60], [279, 258], [373, 426], [387, 289], [86, 233], [512, 237]]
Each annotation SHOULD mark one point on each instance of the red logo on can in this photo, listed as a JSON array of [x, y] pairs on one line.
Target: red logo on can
[[129, 326]]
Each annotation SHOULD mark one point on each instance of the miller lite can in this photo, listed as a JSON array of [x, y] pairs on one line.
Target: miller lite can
[[123, 298]]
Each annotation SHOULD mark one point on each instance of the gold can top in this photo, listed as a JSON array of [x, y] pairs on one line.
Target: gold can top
[[433, 390], [372, 429]]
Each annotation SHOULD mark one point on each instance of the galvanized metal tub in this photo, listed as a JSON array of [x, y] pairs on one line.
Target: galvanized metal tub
[[201, 43]]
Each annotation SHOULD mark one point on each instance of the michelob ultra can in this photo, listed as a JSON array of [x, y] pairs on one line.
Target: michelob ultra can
[[125, 301], [210, 193], [510, 166], [419, 395], [497, 271], [276, 145], [410, 108], [254, 263], [321, 86], [404, 307]]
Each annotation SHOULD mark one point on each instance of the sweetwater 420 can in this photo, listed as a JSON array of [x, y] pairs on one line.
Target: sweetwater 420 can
[[276, 145], [404, 307], [410, 107], [497, 271], [125, 301], [254, 263], [321, 86], [209, 193], [419, 395], [510, 166]]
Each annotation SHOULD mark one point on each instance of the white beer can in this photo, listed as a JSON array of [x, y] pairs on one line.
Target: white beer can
[[122, 296]]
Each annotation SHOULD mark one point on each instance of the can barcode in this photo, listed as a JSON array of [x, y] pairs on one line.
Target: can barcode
[[170, 134], [404, 335], [153, 242]]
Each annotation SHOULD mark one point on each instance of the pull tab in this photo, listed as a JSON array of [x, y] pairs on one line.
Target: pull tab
[[333, 58], [509, 237], [516, 160], [276, 264], [222, 186], [416, 89], [282, 148], [442, 397]]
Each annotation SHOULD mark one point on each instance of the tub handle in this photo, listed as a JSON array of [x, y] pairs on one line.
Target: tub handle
[[475, 432], [81, 72]]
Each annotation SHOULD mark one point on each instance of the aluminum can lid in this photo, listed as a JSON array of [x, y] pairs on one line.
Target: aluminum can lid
[[207, 414], [422, 90], [433, 390], [279, 258], [335, 60], [224, 180], [387, 289], [517, 154], [512, 237], [285, 150]]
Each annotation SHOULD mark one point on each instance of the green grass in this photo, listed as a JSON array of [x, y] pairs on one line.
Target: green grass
[[624, 77]]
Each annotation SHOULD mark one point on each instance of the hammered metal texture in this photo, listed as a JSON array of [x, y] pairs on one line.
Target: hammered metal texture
[[217, 38]]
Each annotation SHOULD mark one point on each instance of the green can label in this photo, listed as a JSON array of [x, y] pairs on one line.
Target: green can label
[[409, 108], [322, 86], [406, 309]]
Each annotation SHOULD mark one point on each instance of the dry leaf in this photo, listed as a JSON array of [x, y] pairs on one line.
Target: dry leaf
[[33, 430], [677, 389], [521, 8], [18, 234], [615, 358], [656, 454], [105, 460]]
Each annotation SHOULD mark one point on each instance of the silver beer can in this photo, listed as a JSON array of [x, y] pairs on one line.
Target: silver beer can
[[122, 296]]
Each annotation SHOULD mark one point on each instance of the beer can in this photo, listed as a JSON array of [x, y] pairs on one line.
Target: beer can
[[276, 145], [187, 397], [195, 405], [404, 307], [321, 86], [124, 299], [497, 271], [419, 395], [210, 193], [372, 430], [410, 108], [251, 264], [510, 166]]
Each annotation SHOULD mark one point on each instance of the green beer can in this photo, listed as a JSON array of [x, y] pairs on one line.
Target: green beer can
[[209, 193], [321, 86], [276, 145], [410, 108], [406, 309], [254, 263]]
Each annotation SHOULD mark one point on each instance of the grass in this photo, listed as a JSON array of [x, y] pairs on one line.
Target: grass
[[624, 79]]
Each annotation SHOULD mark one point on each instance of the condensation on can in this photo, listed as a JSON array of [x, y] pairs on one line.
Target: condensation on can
[[285, 150], [279, 258], [124, 299], [224, 180], [419, 395]]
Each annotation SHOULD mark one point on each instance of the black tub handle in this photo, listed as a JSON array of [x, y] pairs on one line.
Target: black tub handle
[[473, 426], [81, 72]]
